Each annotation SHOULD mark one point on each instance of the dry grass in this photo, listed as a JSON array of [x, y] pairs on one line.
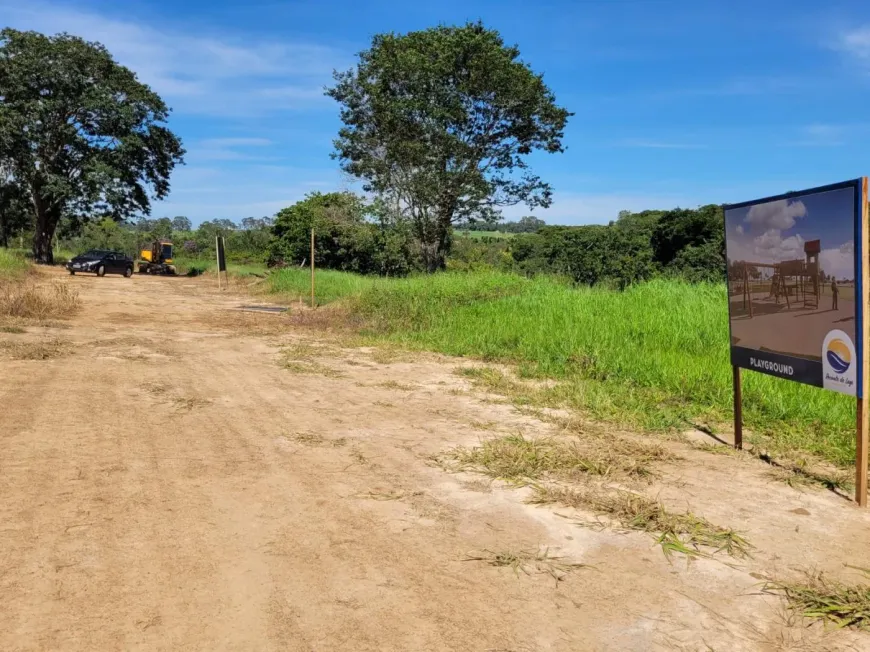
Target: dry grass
[[311, 368], [817, 597], [383, 355], [15, 330], [358, 456], [388, 495], [519, 460], [308, 438], [31, 299], [313, 439], [42, 350], [683, 533], [157, 389], [299, 359], [189, 403], [392, 384], [716, 449], [528, 561], [301, 351], [804, 471], [493, 380]]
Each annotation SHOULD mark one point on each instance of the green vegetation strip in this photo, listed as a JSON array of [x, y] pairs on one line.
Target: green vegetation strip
[[654, 356]]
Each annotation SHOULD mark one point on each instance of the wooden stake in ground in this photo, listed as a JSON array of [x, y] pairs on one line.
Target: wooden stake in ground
[[738, 409], [312, 267], [863, 415]]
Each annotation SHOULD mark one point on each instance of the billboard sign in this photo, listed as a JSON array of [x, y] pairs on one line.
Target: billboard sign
[[794, 274]]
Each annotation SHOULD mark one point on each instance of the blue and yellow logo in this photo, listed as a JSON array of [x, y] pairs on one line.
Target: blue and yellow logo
[[838, 356]]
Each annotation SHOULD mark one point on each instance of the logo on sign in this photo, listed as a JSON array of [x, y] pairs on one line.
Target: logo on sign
[[839, 363], [838, 356]]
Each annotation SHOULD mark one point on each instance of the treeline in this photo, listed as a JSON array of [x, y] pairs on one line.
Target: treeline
[[686, 243], [247, 240], [352, 235], [528, 224]]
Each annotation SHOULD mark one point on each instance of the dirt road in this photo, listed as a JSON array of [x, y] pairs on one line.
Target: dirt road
[[170, 482]]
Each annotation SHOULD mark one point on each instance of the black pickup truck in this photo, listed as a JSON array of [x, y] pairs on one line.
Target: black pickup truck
[[101, 262]]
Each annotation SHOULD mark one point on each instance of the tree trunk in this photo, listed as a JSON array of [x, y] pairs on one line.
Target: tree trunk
[[435, 243], [46, 223]]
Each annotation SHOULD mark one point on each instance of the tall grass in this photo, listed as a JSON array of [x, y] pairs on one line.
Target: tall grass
[[22, 295], [295, 283], [654, 356], [12, 264]]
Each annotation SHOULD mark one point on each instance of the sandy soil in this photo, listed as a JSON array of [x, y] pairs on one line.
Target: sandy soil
[[800, 331], [168, 484]]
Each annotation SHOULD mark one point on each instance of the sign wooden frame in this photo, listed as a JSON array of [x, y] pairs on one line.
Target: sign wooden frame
[[862, 342]]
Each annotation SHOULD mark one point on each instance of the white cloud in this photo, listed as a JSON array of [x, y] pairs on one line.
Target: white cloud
[[839, 262], [855, 42], [195, 73], [821, 135], [772, 247], [779, 214], [740, 229], [228, 149]]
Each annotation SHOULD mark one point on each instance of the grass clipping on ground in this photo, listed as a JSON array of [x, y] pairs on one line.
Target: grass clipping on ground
[[542, 461], [528, 561], [820, 598], [522, 460], [683, 533]]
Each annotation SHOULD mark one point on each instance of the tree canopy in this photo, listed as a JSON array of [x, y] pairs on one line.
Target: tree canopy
[[80, 134], [181, 223], [440, 122], [347, 236]]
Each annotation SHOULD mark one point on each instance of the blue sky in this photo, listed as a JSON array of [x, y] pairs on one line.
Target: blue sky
[[677, 102]]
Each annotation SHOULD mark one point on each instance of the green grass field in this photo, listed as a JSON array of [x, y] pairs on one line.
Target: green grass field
[[654, 356], [295, 283]]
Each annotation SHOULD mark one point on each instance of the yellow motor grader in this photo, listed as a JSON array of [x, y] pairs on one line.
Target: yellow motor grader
[[158, 259]]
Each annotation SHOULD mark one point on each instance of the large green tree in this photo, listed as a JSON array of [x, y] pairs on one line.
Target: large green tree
[[440, 122], [82, 135], [14, 213]]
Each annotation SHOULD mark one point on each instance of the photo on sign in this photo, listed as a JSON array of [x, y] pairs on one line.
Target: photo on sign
[[791, 286]]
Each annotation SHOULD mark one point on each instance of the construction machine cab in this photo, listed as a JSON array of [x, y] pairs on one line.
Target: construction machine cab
[[158, 259]]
